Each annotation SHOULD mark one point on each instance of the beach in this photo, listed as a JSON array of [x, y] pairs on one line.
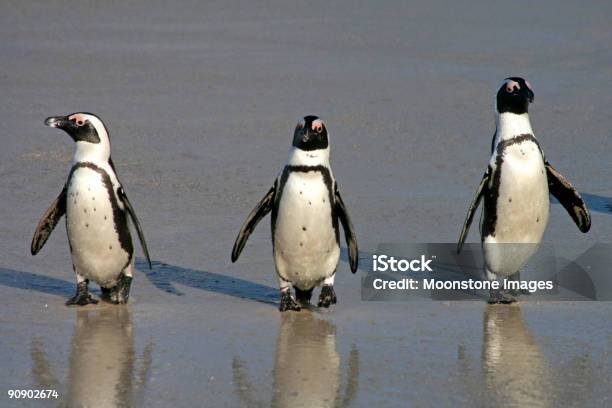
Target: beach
[[201, 100]]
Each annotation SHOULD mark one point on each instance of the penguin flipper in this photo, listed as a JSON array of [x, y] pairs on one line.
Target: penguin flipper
[[349, 231], [48, 222], [260, 211], [569, 198], [482, 188], [130, 210]]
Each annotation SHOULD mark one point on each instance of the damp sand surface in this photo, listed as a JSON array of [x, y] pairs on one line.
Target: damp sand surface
[[201, 101]]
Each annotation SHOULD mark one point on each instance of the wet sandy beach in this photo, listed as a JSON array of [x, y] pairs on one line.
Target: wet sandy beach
[[201, 101]]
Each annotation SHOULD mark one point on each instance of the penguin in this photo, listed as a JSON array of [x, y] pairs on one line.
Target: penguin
[[516, 188], [306, 206], [97, 210]]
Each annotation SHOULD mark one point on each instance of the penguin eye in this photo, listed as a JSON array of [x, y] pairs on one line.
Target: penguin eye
[[78, 121], [318, 128], [512, 86]]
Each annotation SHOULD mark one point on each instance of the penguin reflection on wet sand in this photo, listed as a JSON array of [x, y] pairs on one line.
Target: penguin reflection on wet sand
[[514, 366], [102, 366], [516, 188], [513, 370], [96, 209], [306, 206], [307, 367]]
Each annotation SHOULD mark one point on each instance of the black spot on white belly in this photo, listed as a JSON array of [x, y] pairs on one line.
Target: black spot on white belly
[[492, 195], [327, 180], [119, 216]]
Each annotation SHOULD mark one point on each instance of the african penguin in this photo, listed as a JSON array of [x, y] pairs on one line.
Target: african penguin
[[516, 187], [306, 205], [97, 210]]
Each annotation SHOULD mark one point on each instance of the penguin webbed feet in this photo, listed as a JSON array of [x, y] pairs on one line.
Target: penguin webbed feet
[[501, 296], [120, 293], [82, 297], [288, 302], [327, 296]]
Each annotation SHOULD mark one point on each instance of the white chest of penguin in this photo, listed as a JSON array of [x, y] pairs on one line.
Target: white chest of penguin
[[304, 237], [96, 251], [523, 202]]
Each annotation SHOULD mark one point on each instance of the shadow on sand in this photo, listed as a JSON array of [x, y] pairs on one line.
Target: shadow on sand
[[162, 276], [38, 283], [595, 202]]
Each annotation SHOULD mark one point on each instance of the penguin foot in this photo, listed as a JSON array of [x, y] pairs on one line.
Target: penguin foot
[[82, 297], [120, 293], [518, 292], [502, 296], [303, 296], [327, 296], [288, 302]]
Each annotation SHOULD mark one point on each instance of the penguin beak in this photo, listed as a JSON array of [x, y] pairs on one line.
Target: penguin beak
[[60, 122], [306, 136]]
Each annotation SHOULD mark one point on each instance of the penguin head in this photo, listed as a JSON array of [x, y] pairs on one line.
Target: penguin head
[[88, 131], [310, 143], [310, 134], [514, 96]]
